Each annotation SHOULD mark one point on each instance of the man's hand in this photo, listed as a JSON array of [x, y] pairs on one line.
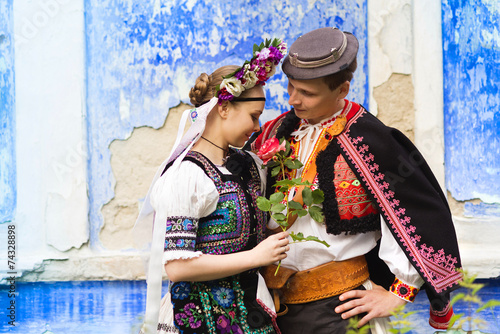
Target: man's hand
[[377, 303]]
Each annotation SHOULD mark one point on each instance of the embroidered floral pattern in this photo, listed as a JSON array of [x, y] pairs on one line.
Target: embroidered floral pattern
[[180, 234], [181, 290], [404, 291], [213, 307], [224, 325], [223, 296], [351, 196], [437, 266], [227, 229], [191, 317]]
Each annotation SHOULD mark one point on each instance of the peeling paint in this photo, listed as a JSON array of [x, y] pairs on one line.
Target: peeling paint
[[472, 98], [395, 104], [134, 162], [8, 193], [145, 50]]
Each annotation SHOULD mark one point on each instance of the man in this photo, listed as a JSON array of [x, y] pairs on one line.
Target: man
[[386, 217]]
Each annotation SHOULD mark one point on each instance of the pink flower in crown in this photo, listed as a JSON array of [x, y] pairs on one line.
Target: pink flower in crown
[[275, 55], [270, 148], [224, 95], [263, 54], [240, 73]]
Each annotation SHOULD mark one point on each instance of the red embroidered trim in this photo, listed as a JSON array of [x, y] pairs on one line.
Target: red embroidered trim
[[437, 267], [404, 291], [441, 319], [271, 313]]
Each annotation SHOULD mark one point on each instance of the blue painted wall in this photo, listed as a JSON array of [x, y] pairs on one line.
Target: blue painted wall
[[148, 54], [471, 50], [7, 115]]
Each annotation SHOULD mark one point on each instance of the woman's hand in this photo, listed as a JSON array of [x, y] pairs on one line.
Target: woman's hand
[[209, 267], [377, 303], [272, 249]]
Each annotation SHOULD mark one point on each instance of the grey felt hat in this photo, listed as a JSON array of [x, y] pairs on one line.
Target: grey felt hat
[[319, 53]]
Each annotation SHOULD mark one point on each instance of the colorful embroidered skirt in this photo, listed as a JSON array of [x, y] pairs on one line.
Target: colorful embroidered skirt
[[228, 305]]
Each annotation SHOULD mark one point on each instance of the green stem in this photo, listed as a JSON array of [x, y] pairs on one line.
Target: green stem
[[283, 228], [278, 268]]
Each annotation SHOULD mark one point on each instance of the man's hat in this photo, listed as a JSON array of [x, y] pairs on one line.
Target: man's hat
[[319, 53]]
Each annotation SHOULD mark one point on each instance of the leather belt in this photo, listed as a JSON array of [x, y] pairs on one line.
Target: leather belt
[[327, 280]]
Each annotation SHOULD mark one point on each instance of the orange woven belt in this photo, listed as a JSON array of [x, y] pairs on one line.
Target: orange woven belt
[[327, 280]]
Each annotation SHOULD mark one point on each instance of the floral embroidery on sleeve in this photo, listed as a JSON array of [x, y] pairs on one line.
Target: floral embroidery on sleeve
[[403, 290], [180, 234]]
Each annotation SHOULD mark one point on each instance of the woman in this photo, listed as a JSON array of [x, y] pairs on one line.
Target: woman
[[205, 198]]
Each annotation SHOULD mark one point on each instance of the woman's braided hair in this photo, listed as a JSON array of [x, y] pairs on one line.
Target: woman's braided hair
[[205, 86]]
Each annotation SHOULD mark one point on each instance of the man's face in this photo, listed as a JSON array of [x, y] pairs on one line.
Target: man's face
[[313, 100]]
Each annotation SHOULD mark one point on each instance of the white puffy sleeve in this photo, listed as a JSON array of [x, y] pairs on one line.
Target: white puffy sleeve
[[408, 280], [180, 197]]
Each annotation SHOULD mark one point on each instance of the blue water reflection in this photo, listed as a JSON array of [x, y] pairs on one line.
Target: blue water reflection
[[109, 307]]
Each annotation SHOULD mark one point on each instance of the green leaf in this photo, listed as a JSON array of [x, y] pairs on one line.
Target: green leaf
[[408, 314], [297, 237], [301, 213], [287, 146], [454, 318], [283, 189], [279, 217], [276, 198], [300, 237], [279, 207], [318, 196], [307, 196], [316, 213], [284, 183], [275, 171], [295, 205], [271, 163], [489, 304], [313, 238], [457, 297], [293, 164], [263, 203]]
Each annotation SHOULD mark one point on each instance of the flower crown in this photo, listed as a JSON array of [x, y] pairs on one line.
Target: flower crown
[[254, 72]]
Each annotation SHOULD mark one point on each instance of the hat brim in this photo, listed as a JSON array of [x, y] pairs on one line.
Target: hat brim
[[343, 62]]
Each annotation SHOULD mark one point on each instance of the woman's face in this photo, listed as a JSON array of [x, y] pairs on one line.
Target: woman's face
[[243, 118]]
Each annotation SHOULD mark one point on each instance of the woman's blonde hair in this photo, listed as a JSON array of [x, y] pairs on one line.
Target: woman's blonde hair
[[205, 86]]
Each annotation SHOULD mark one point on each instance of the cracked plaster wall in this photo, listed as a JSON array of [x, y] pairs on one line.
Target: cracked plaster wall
[[134, 162], [395, 103]]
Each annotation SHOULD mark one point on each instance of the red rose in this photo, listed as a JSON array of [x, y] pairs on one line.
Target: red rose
[[270, 148]]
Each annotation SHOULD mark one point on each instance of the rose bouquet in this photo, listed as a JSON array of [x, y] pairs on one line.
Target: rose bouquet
[[275, 155]]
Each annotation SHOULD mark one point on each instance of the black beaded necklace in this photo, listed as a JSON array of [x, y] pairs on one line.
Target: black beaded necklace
[[224, 160]]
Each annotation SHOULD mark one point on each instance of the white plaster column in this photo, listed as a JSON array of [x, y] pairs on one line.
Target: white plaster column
[[389, 42], [52, 212], [428, 83]]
